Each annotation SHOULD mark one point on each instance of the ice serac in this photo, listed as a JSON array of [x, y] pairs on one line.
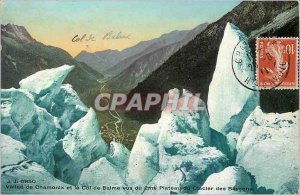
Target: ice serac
[[67, 107], [234, 179], [12, 151], [143, 160], [59, 100], [229, 102], [191, 117], [30, 124], [187, 153], [177, 143], [102, 173], [46, 84], [15, 166], [232, 138], [12, 118], [118, 156], [267, 148], [81, 146], [166, 180]]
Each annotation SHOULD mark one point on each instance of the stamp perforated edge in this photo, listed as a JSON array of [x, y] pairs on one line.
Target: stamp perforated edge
[[297, 64]]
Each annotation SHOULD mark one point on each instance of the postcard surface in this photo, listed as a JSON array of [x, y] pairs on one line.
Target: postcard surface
[[149, 97]]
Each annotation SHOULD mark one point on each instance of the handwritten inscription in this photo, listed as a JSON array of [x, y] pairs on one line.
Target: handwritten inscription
[[114, 35], [83, 38], [111, 35]]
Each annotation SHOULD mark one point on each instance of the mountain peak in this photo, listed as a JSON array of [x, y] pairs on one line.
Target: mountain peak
[[107, 52], [16, 32]]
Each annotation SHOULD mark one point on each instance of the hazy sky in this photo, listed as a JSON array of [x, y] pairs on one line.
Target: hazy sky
[[57, 22]]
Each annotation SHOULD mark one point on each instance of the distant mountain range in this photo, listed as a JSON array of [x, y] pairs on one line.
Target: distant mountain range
[[110, 61], [100, 60], [22, 56], [143, 64], [113, 62], [192, 66]]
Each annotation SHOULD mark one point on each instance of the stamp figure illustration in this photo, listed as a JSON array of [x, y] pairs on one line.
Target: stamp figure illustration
[[277, 63]]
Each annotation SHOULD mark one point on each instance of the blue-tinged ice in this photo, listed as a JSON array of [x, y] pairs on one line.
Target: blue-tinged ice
[[268, 149], [118, 156], [81, 146], [165, 180], [15, 166], [175, 144], [59, 100], [67, 106], [58, 131], [143, 161], [102, 173], [30, 124], [227, 97], [12, 151], [46, 84], [234, 179]]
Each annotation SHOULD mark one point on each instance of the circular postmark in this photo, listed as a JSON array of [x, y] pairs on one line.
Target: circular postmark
[[242, 65]]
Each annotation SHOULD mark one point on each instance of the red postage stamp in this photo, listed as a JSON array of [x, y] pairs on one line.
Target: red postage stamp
[[277, 63]]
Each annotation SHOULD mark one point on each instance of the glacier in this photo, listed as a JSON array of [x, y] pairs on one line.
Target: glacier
[[102, 173], [143, 160], [54, 136], [48, 110], [237, 101], [15, 166], [32, 125], [58, 99], [67, 107], [234, 179], [12, 151], [49, 135], [118, 157], [81, 146], [45, 84], [174, 145], [267, 148]]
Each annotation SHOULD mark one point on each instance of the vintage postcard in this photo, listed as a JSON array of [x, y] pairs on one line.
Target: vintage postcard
[[149, 97]]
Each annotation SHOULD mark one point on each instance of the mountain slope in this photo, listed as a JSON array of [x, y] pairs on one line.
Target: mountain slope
[[147, 62], [180, 37], [193, 65], [22, 56], [101, 60], [141, 68], [112, 62]]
